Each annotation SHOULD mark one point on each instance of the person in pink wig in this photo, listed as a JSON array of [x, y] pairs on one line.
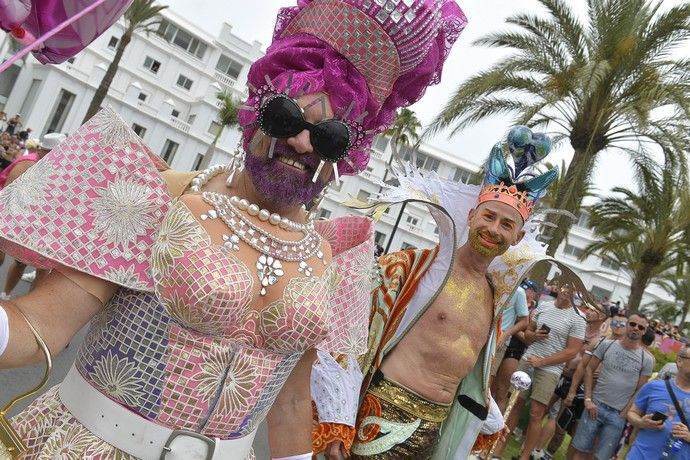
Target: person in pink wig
[[210, 293]]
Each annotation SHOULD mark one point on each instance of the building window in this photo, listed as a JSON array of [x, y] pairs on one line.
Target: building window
[[363, 195], [423, 161], [197, 161], [169, 150], [380, 238], [407, 245], [142, 97], [181, 38], [60, 111], [112, 43], [435, 229], [214, 128], [191, 118], [381, 142], [140, 130], [600, 292], [324, 214], [175, 113], [151, 64], [184, 82], [462, 175], [583, 220], [572, 250], [229, 66], [610, 264], [412, 220]]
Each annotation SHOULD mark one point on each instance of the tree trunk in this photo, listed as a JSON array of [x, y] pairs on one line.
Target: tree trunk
[[570, 195], [686, 307], [208, 156], [639, 283], [104, 86]]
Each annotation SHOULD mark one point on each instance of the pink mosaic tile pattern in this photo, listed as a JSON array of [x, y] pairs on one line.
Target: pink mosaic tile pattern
[[93, 204]]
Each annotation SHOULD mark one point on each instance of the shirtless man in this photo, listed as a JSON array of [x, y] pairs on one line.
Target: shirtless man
[[430, 325], [443, 345]]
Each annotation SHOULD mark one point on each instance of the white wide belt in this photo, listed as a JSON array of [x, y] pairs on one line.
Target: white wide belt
[[137, 436]]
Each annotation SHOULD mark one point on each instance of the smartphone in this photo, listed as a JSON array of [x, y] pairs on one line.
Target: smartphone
[[659, 416], [545, 328]]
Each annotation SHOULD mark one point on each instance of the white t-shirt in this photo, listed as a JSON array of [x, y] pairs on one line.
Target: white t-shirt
[[564, 323]]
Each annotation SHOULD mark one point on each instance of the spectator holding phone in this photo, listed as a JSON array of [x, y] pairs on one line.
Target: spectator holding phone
[[556, 334], [625, 367], [661, 412]]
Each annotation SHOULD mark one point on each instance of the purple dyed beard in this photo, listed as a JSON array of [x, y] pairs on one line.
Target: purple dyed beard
[[279, 183]]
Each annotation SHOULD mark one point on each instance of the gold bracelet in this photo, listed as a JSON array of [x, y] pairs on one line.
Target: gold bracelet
[[11, 444]]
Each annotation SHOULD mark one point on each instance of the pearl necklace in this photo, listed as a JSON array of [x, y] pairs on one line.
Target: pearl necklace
[[272, 249], [252, 209]]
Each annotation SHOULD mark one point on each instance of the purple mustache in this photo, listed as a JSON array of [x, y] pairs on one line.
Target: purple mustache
[[309, 160]]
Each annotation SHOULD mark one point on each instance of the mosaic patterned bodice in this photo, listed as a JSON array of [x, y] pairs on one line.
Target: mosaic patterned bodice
[[194, 354]]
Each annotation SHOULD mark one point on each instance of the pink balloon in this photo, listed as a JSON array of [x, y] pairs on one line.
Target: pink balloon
[[47, 15]]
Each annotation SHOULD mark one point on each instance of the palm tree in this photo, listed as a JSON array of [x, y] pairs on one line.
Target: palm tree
[[595, 82], [677, 284], [664, 311], [228, 107], [404, 131], [644, 231], [142, 15]]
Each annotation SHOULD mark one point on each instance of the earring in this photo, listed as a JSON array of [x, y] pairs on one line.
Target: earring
[[236, 163]]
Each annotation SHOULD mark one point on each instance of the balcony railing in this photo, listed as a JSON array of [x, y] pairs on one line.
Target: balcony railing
[[179, 124], [368, 176], [147, 107], [225, 79], [413, 228], [76, 72], [376, 154]]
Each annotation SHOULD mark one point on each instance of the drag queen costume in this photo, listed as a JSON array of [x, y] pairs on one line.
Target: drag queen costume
[[392, 420], [178, 347]]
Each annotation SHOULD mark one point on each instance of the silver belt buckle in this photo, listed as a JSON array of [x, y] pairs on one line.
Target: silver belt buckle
[[211, 443]]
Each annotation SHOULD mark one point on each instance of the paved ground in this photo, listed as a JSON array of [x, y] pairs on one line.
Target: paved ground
[[13, 381]]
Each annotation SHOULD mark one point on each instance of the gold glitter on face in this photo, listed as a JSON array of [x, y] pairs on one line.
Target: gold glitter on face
[[480, 247]]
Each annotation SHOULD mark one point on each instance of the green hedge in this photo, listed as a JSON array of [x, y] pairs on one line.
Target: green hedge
[[662, 358]]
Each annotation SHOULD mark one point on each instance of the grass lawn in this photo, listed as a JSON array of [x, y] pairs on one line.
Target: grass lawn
[[513, 448]]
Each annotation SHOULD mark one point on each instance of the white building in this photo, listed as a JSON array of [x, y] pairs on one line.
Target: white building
[[165, 87]]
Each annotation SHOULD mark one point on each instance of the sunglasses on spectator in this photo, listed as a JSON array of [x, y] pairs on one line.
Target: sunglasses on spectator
[[618, 323], [639, 327]]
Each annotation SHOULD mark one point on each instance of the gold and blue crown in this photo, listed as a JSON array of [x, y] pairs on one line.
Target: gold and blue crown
[[517, 182]]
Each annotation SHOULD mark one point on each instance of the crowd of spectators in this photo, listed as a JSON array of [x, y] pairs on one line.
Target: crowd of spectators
[[590, 371], [13, 139]]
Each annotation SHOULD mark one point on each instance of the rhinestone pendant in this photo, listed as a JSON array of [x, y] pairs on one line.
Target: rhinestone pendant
[[231, 242], [305, 268], [268, 270]]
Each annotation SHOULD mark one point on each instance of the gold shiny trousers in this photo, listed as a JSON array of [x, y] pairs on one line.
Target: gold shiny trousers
[[396, 423]]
